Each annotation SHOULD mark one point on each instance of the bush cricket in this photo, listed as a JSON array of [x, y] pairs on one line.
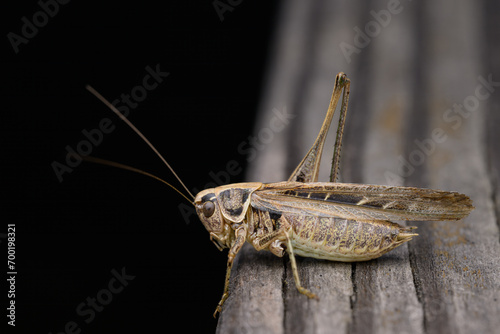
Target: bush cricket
[[325, 220]]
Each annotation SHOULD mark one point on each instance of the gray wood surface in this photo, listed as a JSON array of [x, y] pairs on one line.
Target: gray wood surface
[[425, 61]]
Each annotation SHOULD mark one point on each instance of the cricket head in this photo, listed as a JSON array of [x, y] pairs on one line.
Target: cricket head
[[208, 210], [222, 209]]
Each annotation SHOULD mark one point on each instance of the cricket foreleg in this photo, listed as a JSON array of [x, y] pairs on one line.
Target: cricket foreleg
[[296, 272], [235, 248], [226, 286]]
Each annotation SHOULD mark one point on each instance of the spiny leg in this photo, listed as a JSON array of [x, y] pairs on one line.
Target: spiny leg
[[235, 248], [226, 286], [296, 272], [307, 170], [340, 132], [270, 233]]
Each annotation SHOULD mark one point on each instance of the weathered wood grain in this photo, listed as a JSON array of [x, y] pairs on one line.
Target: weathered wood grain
[[427, 58], [256, 294], [385, 299], [492, 104], [456, 263]]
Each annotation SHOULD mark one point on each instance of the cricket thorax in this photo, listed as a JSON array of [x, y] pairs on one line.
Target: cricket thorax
[[266, 227]]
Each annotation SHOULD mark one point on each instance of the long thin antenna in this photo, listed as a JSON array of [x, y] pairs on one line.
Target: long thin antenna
[[132, 169], [139, 133]]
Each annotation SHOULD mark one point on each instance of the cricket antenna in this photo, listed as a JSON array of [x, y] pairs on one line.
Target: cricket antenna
[[139, 133], [132, 169]]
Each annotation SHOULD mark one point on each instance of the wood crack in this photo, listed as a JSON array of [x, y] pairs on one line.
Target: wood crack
[[284, 289], [353, 298], [495, 200], [418, 285]]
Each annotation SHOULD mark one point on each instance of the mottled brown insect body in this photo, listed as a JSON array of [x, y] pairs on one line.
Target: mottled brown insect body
[[340, 239], [324, 237], [324, 220]]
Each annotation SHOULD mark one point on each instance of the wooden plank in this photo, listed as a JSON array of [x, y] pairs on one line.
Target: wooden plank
[[492, 66], [385, 299], [421, 63], [455, 263], [332, 281], [256, 301], [268, 166], [301, 81]]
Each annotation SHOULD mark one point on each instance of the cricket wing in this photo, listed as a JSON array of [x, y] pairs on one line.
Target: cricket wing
[[361, 202]]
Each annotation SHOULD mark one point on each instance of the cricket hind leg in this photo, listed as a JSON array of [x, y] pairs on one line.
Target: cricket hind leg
[[340, 133], [308, 169], [295, 272]]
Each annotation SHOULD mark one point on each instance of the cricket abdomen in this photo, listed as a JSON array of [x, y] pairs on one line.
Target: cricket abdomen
[[339, 239]]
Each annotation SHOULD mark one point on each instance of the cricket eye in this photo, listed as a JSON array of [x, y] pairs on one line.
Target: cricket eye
[[208, 209]]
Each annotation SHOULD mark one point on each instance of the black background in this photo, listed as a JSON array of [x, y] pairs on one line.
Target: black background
[[71, 234]]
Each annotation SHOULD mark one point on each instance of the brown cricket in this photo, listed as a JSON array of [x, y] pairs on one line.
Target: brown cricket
[[325, 220]]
